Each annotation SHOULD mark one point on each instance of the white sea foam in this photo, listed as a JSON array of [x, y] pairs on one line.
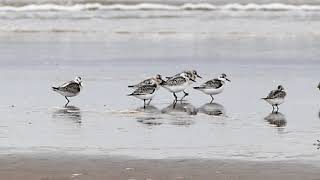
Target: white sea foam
[[148, 6]]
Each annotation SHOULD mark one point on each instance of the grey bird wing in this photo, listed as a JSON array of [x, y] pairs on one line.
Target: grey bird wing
[[149, 81], [66, 84], [143, 90], [276, 94], [175, 81], [213, 84], [176, 75], [71, 87], [146, 82], [189, 74]]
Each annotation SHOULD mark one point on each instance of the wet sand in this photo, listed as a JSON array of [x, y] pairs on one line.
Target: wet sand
[[62, 166], [103, 120]]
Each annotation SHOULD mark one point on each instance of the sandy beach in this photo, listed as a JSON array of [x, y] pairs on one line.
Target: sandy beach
[[61, 166]]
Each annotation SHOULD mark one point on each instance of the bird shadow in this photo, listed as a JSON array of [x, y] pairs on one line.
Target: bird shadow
[[150, 116], [276, 119], [68, 113], [180, 108], [181, 115], [213, 109], [148, 109], [150, 121]]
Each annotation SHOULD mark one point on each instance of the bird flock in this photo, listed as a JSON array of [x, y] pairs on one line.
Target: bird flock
[[146, 89]]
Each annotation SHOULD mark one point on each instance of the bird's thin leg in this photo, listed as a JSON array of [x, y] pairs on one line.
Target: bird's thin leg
[[185, 94], [174, 104], [144, 104], [277, 108], [272, 108], [175, 97], [67, 101], [149, 102], [211, 98], [175, 100]]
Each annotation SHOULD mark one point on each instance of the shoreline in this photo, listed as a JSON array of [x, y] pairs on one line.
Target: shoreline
[[49, 166]]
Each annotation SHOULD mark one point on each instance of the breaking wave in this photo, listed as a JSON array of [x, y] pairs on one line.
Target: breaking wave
[[164, 7]]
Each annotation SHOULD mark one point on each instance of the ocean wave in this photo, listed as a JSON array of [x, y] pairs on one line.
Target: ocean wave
[[148, 6]]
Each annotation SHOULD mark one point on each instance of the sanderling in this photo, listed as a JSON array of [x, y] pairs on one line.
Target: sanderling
[[154, 80], [214, 86], [276, 97], [318, 86], [191, 74], [69, 89], [145, 92], [177, 84], [317, 144]]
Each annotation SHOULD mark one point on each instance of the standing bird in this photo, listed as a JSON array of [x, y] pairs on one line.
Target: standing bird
[[318, 86], [154, 80], [276, 97], [69, 89], [145, 92], [177, 84], [214, 86], [192, 74]]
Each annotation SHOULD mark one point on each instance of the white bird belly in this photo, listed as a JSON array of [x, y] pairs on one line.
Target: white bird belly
[[176, 89], [145, 97], [67, 94], [212, 91], [276, 101]]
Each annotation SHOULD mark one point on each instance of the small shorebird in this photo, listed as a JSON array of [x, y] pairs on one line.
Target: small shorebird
[[69, 89], [154, 80], [192, 74], [214, 86], [177, 84], [318, 86], [276, 97], [145, 92]]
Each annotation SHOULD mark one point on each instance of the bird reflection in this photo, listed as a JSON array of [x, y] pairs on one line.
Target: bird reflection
[[180, 108], [149, 109], [150, 121], [149, 116], [276, 118], [181, 115], [213, 109], [69, 112]]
